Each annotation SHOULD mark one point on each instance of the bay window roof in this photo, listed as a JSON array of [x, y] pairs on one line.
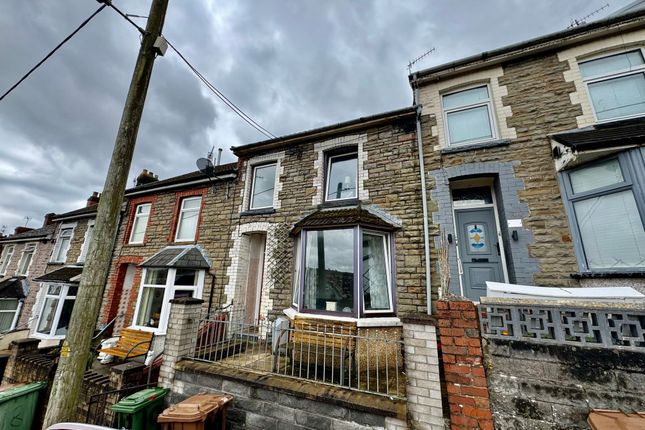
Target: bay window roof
[[599, 136], [367, 215], [182, 257], [67, 274], [15, 287]]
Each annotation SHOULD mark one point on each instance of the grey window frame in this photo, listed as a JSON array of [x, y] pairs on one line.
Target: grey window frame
[[632, 165], [254, 169], [347, 153], [358, 304]]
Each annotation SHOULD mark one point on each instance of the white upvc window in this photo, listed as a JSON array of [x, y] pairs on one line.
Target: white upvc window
[[342, 177], [468, 116], [25, 259], [86, 241], [140, 223], [158, 287], [56, 311], [263, 186], [62, 244], [9, 309], [188, 219], [616, 85], [5, 258]]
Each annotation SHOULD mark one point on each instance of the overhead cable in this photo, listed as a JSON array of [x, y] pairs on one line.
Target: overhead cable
[[83, 24]]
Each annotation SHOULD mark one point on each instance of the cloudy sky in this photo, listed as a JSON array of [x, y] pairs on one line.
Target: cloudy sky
[[291, 65]]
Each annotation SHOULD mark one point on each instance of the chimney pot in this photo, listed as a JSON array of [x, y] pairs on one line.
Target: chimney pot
[[146, 177]]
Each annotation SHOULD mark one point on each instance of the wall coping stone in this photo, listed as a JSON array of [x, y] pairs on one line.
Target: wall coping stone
[[350, 399], [560, 303], [130, 366], [27, 341], [419, 318]]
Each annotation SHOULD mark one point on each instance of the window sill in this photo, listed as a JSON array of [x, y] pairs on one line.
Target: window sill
[[360, 322], [474, 146], [607, 275], [339, 203], [263, 211], [134, 245]]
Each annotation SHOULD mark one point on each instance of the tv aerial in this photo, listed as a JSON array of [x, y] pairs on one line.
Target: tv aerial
[[419, 58], [206, 166]]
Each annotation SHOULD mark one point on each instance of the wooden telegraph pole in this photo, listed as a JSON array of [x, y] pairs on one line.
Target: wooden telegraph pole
[[75, 351]]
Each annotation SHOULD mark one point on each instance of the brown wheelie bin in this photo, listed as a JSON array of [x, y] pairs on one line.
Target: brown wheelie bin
[[199, 412]]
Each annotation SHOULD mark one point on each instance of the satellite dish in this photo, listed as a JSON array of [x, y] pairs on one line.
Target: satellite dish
[[205, 166]]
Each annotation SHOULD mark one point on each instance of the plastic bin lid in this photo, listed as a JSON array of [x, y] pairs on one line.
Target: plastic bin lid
[[603, 419], [13, 391], [137, 401], [194, 409]]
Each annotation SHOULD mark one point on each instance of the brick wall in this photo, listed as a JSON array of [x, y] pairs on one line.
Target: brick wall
[[463, 366]]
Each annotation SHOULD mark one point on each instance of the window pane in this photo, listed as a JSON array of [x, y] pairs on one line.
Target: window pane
[[150, 307], [296, 272], [619, 97], [143, 209], [188, 222], [65, 316], [470, 124], [612, 231], [613, 63], [597, 176], [376, 294], [186, 277], [62, 249], [465, 98], [8, 304], [24, 262], [72, 291], [192, 203], [6, 257], [472, 195], [329, 270], [139, 229], [263, 185], [183, 293], [156, 276], [6, 318], [53, 290], [47, 316], [342, 177]]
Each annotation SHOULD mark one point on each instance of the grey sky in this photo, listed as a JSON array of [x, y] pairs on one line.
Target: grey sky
[[291, 65]]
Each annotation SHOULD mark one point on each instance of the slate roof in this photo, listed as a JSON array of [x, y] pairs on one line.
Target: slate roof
[[15, 287], [82, 212], [368, 215], [182, 257], [64, 275], [188, 177], [619, 133], [44, 232]]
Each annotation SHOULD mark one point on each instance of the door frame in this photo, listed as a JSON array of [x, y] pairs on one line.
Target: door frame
[[502, 250]]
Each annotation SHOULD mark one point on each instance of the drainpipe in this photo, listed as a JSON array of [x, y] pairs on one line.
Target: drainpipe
[[424, 201]]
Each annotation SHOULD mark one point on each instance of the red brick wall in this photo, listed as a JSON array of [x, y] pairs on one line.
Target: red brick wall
[[112, 296], [463, 365]]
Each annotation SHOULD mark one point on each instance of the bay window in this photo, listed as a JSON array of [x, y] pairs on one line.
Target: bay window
[[616, 85], [605, 206], [158, 287], [5, 258], [344, 271], [56, 311]]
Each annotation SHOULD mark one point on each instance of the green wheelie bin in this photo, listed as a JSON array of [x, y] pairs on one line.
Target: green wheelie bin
[[18, 406], [139, 411]]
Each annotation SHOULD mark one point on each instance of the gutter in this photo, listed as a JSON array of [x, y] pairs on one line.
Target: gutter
[[180, 185], [424, 202]]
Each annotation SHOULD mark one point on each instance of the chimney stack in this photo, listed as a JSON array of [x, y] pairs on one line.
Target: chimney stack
[[19, 230], [93, 200], [48, 219], [146, 177]]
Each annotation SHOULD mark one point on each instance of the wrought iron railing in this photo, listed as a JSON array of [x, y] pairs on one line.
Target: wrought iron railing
[[606, 326], [99, 407], [334, 353]]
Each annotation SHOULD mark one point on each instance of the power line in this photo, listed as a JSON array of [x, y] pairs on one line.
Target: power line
[[83, 24], [222, 97], [202, 78]]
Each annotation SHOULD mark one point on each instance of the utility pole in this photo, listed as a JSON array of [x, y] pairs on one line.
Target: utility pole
[[74, 354]]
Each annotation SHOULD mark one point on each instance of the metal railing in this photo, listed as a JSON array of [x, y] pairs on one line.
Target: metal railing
[[99, 407], [333, 353], [600, 327]]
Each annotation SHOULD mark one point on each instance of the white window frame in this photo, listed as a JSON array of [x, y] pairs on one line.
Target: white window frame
[[491, 114], [614, 75], [62, 297], [169, 292], [137, 218], [181, 212], [58, 245], [15, 312], [253, 170], [328, 175], [28, 247], [89, 234], [7, 254]]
